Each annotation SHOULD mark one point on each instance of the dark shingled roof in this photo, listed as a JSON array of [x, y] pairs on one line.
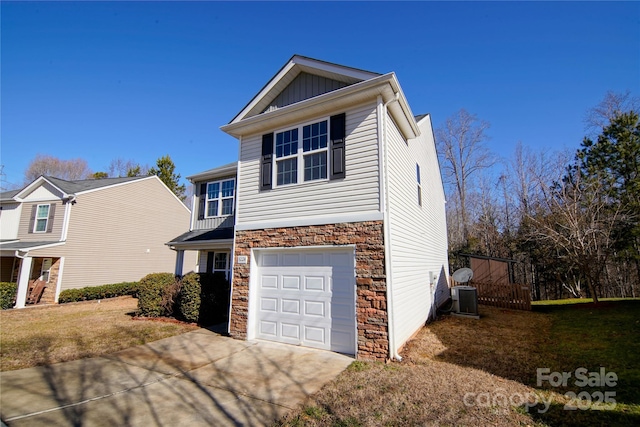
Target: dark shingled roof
[[420, 117], [72, 187], [14, 245], [203, 235], [8, 195]]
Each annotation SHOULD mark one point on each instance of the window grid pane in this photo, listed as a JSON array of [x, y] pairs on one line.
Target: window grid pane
[[41, 225], [220, 261], [43, 211], [213, 190], [314, 136], [287, 143], [227, 207], [227, 188], [287, 171], [213, 208], [315, 166]]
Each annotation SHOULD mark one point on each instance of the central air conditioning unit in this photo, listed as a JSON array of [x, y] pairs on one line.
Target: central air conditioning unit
[[465, 301]]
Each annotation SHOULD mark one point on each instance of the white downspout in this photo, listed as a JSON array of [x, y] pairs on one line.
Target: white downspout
[[393, 352]]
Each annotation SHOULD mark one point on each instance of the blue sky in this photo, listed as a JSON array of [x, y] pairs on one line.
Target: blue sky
[[140, 80]]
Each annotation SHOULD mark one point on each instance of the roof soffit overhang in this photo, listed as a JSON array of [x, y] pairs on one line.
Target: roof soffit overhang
[[201, 244], [287, 74], [220, 172], [385, 86]]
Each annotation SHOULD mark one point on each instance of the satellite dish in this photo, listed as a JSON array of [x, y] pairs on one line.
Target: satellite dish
[[463, 275]]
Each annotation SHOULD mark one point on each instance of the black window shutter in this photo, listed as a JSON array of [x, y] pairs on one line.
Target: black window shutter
[[32, 220], [338, 136], [52, 213], [266, 163], [202, 200]]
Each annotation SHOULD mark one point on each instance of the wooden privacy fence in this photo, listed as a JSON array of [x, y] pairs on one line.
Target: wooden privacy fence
[[504, 295]]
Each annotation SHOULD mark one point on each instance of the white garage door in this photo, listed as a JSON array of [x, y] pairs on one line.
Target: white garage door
[[307, 297]]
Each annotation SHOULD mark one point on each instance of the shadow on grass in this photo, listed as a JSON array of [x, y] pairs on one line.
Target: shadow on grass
[[514, 345], [198, 378]]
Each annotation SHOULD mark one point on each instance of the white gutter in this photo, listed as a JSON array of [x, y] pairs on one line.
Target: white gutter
[[393, 352]]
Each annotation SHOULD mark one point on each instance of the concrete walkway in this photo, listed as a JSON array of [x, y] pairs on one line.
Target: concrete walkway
[[198, 378]]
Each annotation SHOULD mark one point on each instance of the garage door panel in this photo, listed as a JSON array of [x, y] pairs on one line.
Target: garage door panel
[[300, 306], [269, 281], [290, 306], [269, 304], [290, 331], [315, 308], [268, 328], [316, 284], [315, 335], [291, 282]]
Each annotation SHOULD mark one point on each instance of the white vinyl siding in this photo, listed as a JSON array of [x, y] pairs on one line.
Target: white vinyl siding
[[418, 239], [9, 220], [357, 193]]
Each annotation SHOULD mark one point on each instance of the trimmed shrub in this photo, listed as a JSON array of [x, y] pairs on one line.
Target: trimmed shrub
[[153, 294], [189, 300], [8, 293], [99, 292], [197, 297]]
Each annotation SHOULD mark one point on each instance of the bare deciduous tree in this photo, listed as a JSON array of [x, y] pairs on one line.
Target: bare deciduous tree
[[120, 167], [580, 226], [70, 170], [612, 104], [463, 155]]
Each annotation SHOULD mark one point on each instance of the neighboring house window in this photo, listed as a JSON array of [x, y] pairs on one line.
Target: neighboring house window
[[42, 218], [45, 270], [219, 198], [309, 152], [419, 185]]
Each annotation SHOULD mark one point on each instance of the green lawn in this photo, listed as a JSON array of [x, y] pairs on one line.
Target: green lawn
[[606, 336]]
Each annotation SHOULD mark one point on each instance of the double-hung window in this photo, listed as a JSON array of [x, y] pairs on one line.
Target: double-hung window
[[297, 162], [308, 152], [219, 199], [42, 218]]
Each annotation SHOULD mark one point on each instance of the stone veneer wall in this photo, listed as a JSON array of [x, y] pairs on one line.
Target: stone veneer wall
[[371, 297]]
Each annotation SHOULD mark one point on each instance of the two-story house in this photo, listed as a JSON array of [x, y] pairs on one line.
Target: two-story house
[[339, 240], [73, 234]]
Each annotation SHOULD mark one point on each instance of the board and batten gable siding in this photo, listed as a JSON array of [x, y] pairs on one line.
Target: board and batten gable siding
[[304, 86], [118, 234], [357, 193], [418, 239]]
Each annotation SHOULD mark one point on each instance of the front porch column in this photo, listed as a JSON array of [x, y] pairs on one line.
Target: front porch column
[[179, 262], [23, 282]]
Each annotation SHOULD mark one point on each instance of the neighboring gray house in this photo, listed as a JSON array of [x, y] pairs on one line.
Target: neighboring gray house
[[340, 239], [72, 234]]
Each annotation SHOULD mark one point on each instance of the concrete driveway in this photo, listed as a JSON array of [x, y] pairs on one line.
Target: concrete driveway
[[198, 378]]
